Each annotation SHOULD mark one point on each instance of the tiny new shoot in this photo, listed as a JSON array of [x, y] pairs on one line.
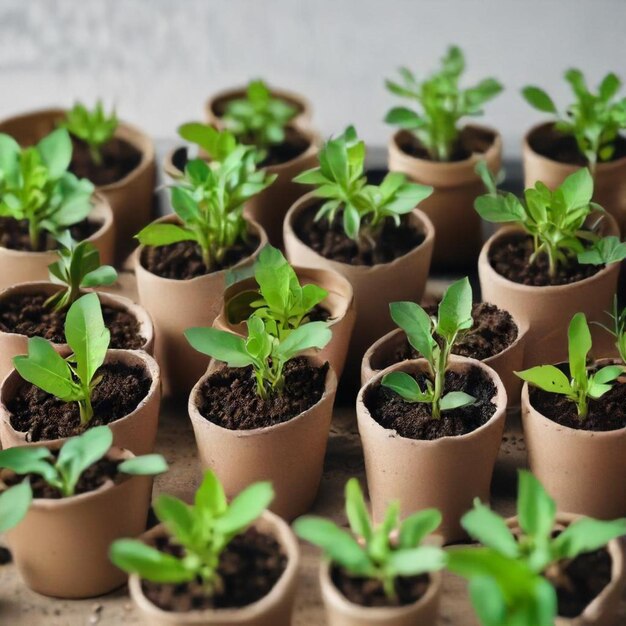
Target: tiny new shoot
[[617, 328], [433, 338], [63, 470], [216, 144], [383, 552], [202, 529]]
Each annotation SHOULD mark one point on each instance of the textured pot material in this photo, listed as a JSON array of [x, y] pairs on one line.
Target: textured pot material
[[61, 547], [339, 303], [374, 286], [274, 609], [135, 431], [341, 612], [290, 454], [548, 310], [175, 306], [446, 473], [451, 206]]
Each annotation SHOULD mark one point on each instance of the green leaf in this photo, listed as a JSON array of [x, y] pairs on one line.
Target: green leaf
[[483, 525], [586, 535], [456, 400], [417, 526], [548, 378], [104, 275], [609, 86], [14, 504], [579, 345], [210, 496], [417, 325], [455, 309], [219, 345], [56, 152], [245, 508], [539, 99], [146, 465], [305, 337], [604, 252], [164, 235], [177, 516], [500, 209], [415, 561], [404, 118], [536, 510], [577, 189], [405, 386], [28, 460], [357, 513]]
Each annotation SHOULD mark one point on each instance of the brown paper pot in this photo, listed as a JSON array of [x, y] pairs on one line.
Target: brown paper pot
[[61, 546], [175, 306], [451, 206], [374, 286], [130, 198], [446, 473], [136, 431], [274, 609], [341, 612], [610, 177], [290, 454], [548, 310], [20, 266], [339, 303]]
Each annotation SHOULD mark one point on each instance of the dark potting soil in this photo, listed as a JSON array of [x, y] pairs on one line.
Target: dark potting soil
[[249, 567], [510, 257], [45, 417], [183, 260], [471, 140], [119, 158], [14, 234], [414, 419], [229, 399], [5, 556], [331, 242], [26, 314], [369, 592]]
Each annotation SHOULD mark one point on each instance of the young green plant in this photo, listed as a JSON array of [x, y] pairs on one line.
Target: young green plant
[[581, 385], [203, 530], [433, 338], [216, 144], [62, 471], [617, 328], [72, 379], [441, 102]]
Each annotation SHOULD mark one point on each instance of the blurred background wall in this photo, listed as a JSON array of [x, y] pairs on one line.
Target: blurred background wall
[[157, 60]]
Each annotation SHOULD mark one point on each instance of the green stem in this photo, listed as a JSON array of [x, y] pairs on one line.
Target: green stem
[[85, 409], [95, 154], [34, 235], [389, 588]]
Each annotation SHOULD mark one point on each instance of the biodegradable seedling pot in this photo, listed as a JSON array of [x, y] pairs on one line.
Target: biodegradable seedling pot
[[61, 547], [446, 473], [130, 198], [175, 306], [451, 204], [290, 454], [135, 431], [274, 609], [339, 303]]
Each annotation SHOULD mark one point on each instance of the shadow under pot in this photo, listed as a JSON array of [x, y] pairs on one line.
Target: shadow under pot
[[244, 439], [23, 314], [61, 547], [456, 186], [20, 264], [424, 462], [396, 270], [273, 609], [546, 308], [127, 399], [550, 157], [175, 289], [337, 309], [580, 461], [127, 178]]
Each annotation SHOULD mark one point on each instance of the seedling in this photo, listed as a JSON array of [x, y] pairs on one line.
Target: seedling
[[617, 329], [266, 353], [433, 338], [209, 201], [95, 127], [78, 268], [36, 186], [72, 379], [340, 180], [217, 144], [593, 119], [203, 530], [582, 385], [64, 470], [441, 102]]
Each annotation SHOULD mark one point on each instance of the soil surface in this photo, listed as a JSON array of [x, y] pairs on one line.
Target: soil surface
[[368, 592], [510, 257], [44, 417], [119, 159], [330, 240], [26, 314], [229, 399], [14, 234], [249, 567], [414, 419], [471, 140]]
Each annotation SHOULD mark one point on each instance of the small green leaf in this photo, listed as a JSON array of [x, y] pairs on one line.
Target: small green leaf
[[405, 386], [305, 337], [14, 504], [417, 325], [455, 309], [417, 526], [146, 465], [482, 524], [539, 99], [164, 234], [245, 508], [219, 345], [548, 378], [56, 152], [456, 400], [586, 535], [356, 510], [535, 508], [415, 561]]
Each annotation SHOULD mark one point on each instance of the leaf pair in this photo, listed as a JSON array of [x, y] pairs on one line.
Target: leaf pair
[[217, 144]]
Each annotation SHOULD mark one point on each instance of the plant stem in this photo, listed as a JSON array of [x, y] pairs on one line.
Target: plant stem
[[95, 154], [85, 409], [34, 235]]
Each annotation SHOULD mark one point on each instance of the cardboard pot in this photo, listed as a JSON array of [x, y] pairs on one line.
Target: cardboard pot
[[135, 431], [289, 454], [456, 185], [175, 306], [274, 609], [446, 473], [61, 547]]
